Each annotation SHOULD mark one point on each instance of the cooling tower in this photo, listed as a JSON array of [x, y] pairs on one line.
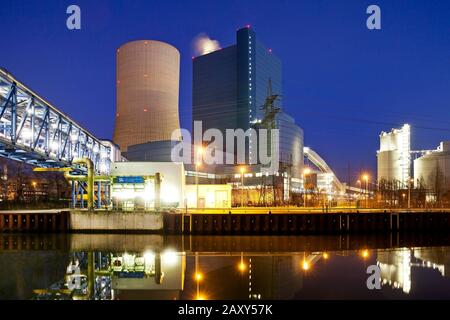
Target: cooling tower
[[148, 74]]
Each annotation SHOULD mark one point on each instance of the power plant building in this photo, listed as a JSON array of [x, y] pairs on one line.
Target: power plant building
[[148, 75], [432, 170], [394, 156], [231, 85]]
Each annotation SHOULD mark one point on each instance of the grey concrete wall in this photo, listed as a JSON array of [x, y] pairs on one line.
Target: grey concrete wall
[[81, 220], [118, 242]]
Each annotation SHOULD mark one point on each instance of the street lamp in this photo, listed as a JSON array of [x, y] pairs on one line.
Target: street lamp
[[366, 179], [242, 169], [306, 172]]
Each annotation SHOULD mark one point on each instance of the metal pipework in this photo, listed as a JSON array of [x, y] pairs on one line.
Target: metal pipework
[[89, 178]]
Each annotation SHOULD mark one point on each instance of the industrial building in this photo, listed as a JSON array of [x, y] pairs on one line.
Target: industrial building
[[432, 170], [148, 75], [134, 187], [231, 88], [394, 156], [231, 85]]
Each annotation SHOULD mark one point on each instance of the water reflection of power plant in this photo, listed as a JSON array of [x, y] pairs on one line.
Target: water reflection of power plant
[[396, 265], [153, 267], [110, 275]]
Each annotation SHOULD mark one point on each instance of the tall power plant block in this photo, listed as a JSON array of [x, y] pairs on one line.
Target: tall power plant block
[[394, 158], [148, 75], [231, 85]]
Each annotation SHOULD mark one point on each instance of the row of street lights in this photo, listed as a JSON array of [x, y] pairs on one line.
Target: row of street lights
[[306, 172], [366, 178]]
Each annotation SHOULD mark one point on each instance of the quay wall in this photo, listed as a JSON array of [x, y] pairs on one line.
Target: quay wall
[[306, 223], [110, 221]]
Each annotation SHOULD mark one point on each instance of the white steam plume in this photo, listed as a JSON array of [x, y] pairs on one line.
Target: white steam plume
[[203, 44]]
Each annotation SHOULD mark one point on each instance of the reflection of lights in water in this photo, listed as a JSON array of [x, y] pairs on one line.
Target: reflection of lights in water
[[149, 257], [200, 297], [198, 276], [396, 269], [305, 265], [169, 257], [365, 253]]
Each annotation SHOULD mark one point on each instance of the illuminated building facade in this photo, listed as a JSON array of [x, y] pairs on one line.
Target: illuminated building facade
[[231, 84], [432, 170], [394, 156], [148, 75], [134, 184]]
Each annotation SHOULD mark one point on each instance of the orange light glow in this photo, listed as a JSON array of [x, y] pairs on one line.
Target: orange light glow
[[365, 253], [198, 276], [305, 265]]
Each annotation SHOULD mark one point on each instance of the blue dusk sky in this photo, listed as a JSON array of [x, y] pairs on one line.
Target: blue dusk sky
[[342, 82]]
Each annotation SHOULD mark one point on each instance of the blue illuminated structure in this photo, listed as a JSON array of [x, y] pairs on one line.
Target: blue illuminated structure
[[35, 132]]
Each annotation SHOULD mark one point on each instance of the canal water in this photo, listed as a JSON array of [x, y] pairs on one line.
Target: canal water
[[96, 266]]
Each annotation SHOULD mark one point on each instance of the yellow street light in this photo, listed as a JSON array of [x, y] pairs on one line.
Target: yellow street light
[[325, 255]]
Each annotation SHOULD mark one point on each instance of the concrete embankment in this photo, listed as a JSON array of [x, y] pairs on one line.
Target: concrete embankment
[[110, 221]]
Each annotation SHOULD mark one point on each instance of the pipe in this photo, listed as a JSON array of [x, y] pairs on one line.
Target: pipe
[[89, 178]]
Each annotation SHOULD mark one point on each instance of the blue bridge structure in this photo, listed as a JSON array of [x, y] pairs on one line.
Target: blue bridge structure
[[34, 131]]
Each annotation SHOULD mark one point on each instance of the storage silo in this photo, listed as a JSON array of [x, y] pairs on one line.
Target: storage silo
[[432, 170], [148, 75]]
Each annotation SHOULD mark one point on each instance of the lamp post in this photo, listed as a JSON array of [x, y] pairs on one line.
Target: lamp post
[[242, 169], [306, 172], [366, 179]]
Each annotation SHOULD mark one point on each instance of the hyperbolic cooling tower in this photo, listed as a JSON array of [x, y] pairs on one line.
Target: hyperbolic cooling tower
[[148, 74]]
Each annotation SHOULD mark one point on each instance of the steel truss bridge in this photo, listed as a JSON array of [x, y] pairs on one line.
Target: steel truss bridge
[[35, 132]]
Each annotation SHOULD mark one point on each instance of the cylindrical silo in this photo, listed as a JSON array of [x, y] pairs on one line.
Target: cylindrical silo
[[148, 74]]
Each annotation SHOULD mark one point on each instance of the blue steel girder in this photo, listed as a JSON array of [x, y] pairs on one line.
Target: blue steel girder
[[34, 131]]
